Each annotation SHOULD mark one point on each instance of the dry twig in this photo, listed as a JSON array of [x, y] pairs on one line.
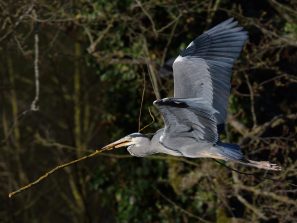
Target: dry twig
[[47, 174]]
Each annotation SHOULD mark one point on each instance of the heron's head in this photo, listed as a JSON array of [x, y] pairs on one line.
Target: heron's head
[[138, 144]]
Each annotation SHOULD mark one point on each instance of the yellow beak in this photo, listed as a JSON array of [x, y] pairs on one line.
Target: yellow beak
[[126, 141]]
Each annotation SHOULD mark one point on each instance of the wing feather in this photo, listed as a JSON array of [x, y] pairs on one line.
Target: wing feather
[[188, 118], [204, 68]]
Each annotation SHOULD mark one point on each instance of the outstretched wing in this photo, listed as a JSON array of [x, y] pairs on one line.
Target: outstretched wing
[[204, 68], [189, 119]]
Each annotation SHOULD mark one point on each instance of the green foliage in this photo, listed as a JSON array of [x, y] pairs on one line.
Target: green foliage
[[291, 28]]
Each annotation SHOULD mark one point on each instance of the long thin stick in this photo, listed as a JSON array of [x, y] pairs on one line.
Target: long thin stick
[[47, 174], [153, 120], [34, 104], [141, 104]]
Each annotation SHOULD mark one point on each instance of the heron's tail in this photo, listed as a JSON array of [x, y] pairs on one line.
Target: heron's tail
[[232, 152], [229, 151]]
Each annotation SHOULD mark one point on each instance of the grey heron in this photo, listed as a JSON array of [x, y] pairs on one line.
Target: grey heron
[[192, 118]]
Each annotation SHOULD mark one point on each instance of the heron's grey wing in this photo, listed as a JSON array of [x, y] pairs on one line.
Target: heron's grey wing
[[189, 118], [204, 68]]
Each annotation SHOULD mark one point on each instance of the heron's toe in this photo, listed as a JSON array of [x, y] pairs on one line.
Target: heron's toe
[[270, 166]]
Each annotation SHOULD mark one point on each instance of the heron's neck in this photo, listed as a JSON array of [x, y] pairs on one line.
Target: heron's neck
[[157, 147]]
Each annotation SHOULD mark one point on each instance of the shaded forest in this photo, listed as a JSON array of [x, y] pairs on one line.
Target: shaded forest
[[77, 75]]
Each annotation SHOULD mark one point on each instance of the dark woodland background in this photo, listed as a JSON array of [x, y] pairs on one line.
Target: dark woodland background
[[94, 59]]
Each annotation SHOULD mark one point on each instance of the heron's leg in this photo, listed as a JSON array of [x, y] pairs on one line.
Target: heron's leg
[[259, 164], [264, 165]]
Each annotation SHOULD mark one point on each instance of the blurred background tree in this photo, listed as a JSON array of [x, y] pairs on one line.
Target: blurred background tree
[[94, 59]]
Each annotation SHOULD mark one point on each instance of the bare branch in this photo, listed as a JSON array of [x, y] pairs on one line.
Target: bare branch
[[34, 106]]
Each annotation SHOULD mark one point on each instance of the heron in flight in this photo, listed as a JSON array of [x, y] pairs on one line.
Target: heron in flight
[[196, 114]]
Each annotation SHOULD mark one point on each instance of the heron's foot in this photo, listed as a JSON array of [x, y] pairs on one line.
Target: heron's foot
[[265, 165]]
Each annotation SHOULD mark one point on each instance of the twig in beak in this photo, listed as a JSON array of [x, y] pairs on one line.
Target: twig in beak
[[117, 144]]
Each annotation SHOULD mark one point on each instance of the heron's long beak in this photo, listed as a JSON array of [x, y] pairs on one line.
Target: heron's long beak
[[126, 141]]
